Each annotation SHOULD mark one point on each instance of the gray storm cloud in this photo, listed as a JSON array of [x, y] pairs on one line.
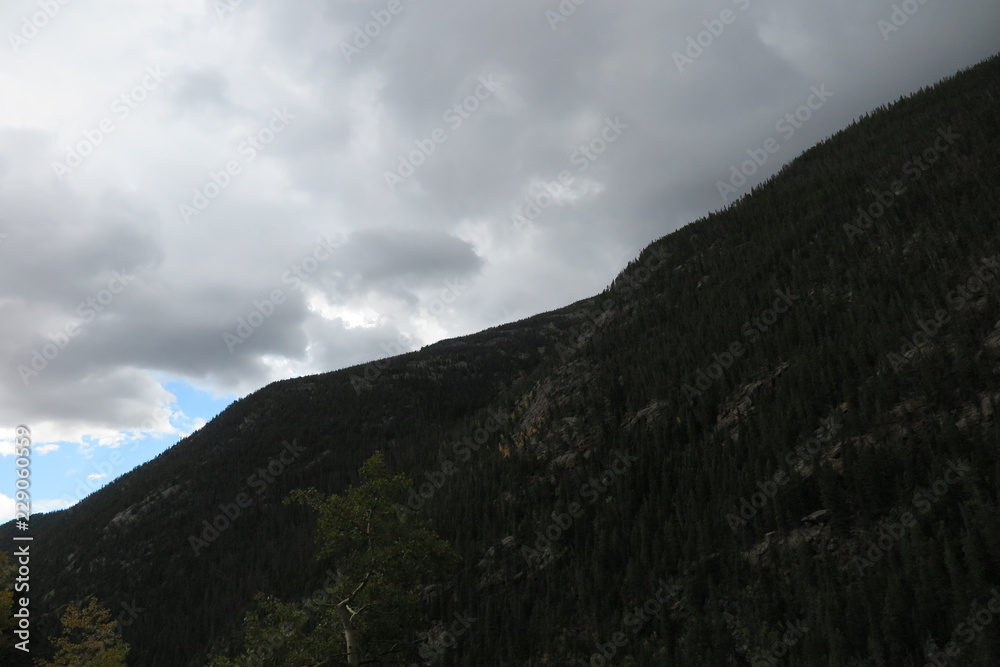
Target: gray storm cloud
[[372, 88]]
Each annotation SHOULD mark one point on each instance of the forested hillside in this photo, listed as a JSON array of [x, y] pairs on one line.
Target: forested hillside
[[773, 439]]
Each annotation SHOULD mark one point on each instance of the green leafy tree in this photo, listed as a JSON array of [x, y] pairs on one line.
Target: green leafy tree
[[384, 562], [374, 607], [90, 638], [278, 633]]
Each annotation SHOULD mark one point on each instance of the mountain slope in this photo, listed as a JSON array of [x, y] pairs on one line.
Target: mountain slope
[[774, 436]]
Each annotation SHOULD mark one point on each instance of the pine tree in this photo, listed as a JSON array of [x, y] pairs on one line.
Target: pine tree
[[90, 638]]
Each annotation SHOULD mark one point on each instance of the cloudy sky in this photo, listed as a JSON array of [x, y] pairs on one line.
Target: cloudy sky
[[198, 197]]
